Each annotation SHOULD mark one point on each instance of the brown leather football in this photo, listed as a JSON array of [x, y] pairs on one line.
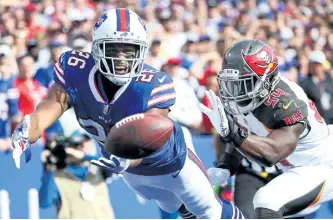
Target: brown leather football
[[138, 136]]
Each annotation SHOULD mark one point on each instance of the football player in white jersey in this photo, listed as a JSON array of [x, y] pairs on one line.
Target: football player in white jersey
[[268, 119]]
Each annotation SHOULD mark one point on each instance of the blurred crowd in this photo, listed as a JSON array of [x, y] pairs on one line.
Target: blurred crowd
[[187, 39]]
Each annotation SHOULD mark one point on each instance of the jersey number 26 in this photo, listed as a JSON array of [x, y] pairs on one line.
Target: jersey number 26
[[76, 60]]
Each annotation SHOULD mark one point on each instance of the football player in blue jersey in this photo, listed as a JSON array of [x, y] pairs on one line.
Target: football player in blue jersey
[[112, 83]]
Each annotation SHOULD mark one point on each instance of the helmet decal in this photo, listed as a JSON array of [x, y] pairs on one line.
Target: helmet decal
[[123, 20], [261, 60], [100, 20]]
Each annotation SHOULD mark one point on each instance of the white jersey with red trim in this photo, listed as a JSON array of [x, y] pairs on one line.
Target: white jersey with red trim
[[287, 105]]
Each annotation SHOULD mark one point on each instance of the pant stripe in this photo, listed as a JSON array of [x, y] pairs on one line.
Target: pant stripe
[[197, 161], [319, 195], [310, 198]]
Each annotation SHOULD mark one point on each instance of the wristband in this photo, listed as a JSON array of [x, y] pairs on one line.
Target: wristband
[[237, 134]]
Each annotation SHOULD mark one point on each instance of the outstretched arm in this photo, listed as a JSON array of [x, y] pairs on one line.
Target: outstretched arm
[[32, 126], [48, 111]]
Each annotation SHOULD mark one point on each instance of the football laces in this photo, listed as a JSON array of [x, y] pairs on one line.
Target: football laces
[[129, 119]]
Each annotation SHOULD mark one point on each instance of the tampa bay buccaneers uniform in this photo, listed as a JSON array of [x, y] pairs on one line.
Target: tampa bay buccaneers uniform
[[261, 101], [308, 171]]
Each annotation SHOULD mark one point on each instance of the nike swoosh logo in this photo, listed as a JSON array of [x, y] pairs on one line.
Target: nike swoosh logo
[[161, 79], [174, 175], [285, 107], [141, 152]]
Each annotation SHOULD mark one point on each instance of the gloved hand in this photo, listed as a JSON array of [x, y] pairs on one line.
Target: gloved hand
[[115, 164], [218, 176], [216, 115], [21, 142]]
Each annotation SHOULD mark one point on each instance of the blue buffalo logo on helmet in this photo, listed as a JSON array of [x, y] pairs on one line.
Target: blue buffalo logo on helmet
[[100, 20], [261, 61]]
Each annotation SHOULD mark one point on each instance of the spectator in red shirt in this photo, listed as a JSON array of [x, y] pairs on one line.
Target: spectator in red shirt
[[210, 83], [32, 18], [31, 92]]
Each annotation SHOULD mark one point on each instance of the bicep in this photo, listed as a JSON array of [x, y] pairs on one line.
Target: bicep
[[55, 104]]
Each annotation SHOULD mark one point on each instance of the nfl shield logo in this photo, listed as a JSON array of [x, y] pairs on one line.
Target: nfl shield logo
[[106, 109]]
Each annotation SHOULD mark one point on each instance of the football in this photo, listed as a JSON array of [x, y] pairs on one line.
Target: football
[[138, 135]]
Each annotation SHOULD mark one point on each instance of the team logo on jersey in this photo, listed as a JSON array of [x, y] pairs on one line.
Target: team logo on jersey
[[100, 21], [106, 109], [261, 60]]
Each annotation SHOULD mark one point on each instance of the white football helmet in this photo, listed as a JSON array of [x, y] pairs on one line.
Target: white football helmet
[[119, 26]]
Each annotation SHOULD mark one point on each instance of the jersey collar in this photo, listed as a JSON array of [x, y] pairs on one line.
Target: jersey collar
[[97, 92]]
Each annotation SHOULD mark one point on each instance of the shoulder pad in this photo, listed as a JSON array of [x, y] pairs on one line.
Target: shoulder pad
[[283, 107], [72, 64], [157, 87]]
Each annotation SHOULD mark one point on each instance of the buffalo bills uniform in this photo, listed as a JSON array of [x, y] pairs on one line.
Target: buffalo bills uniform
[[173, 175]]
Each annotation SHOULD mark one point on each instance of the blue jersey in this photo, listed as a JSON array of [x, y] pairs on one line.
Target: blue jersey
[[77, 73], [8, 105]]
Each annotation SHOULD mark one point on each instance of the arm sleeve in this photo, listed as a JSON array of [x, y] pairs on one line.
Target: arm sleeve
[[160, 95], [61, 74], [59, 70], [296, 113], [48, 192], [284, 107]]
